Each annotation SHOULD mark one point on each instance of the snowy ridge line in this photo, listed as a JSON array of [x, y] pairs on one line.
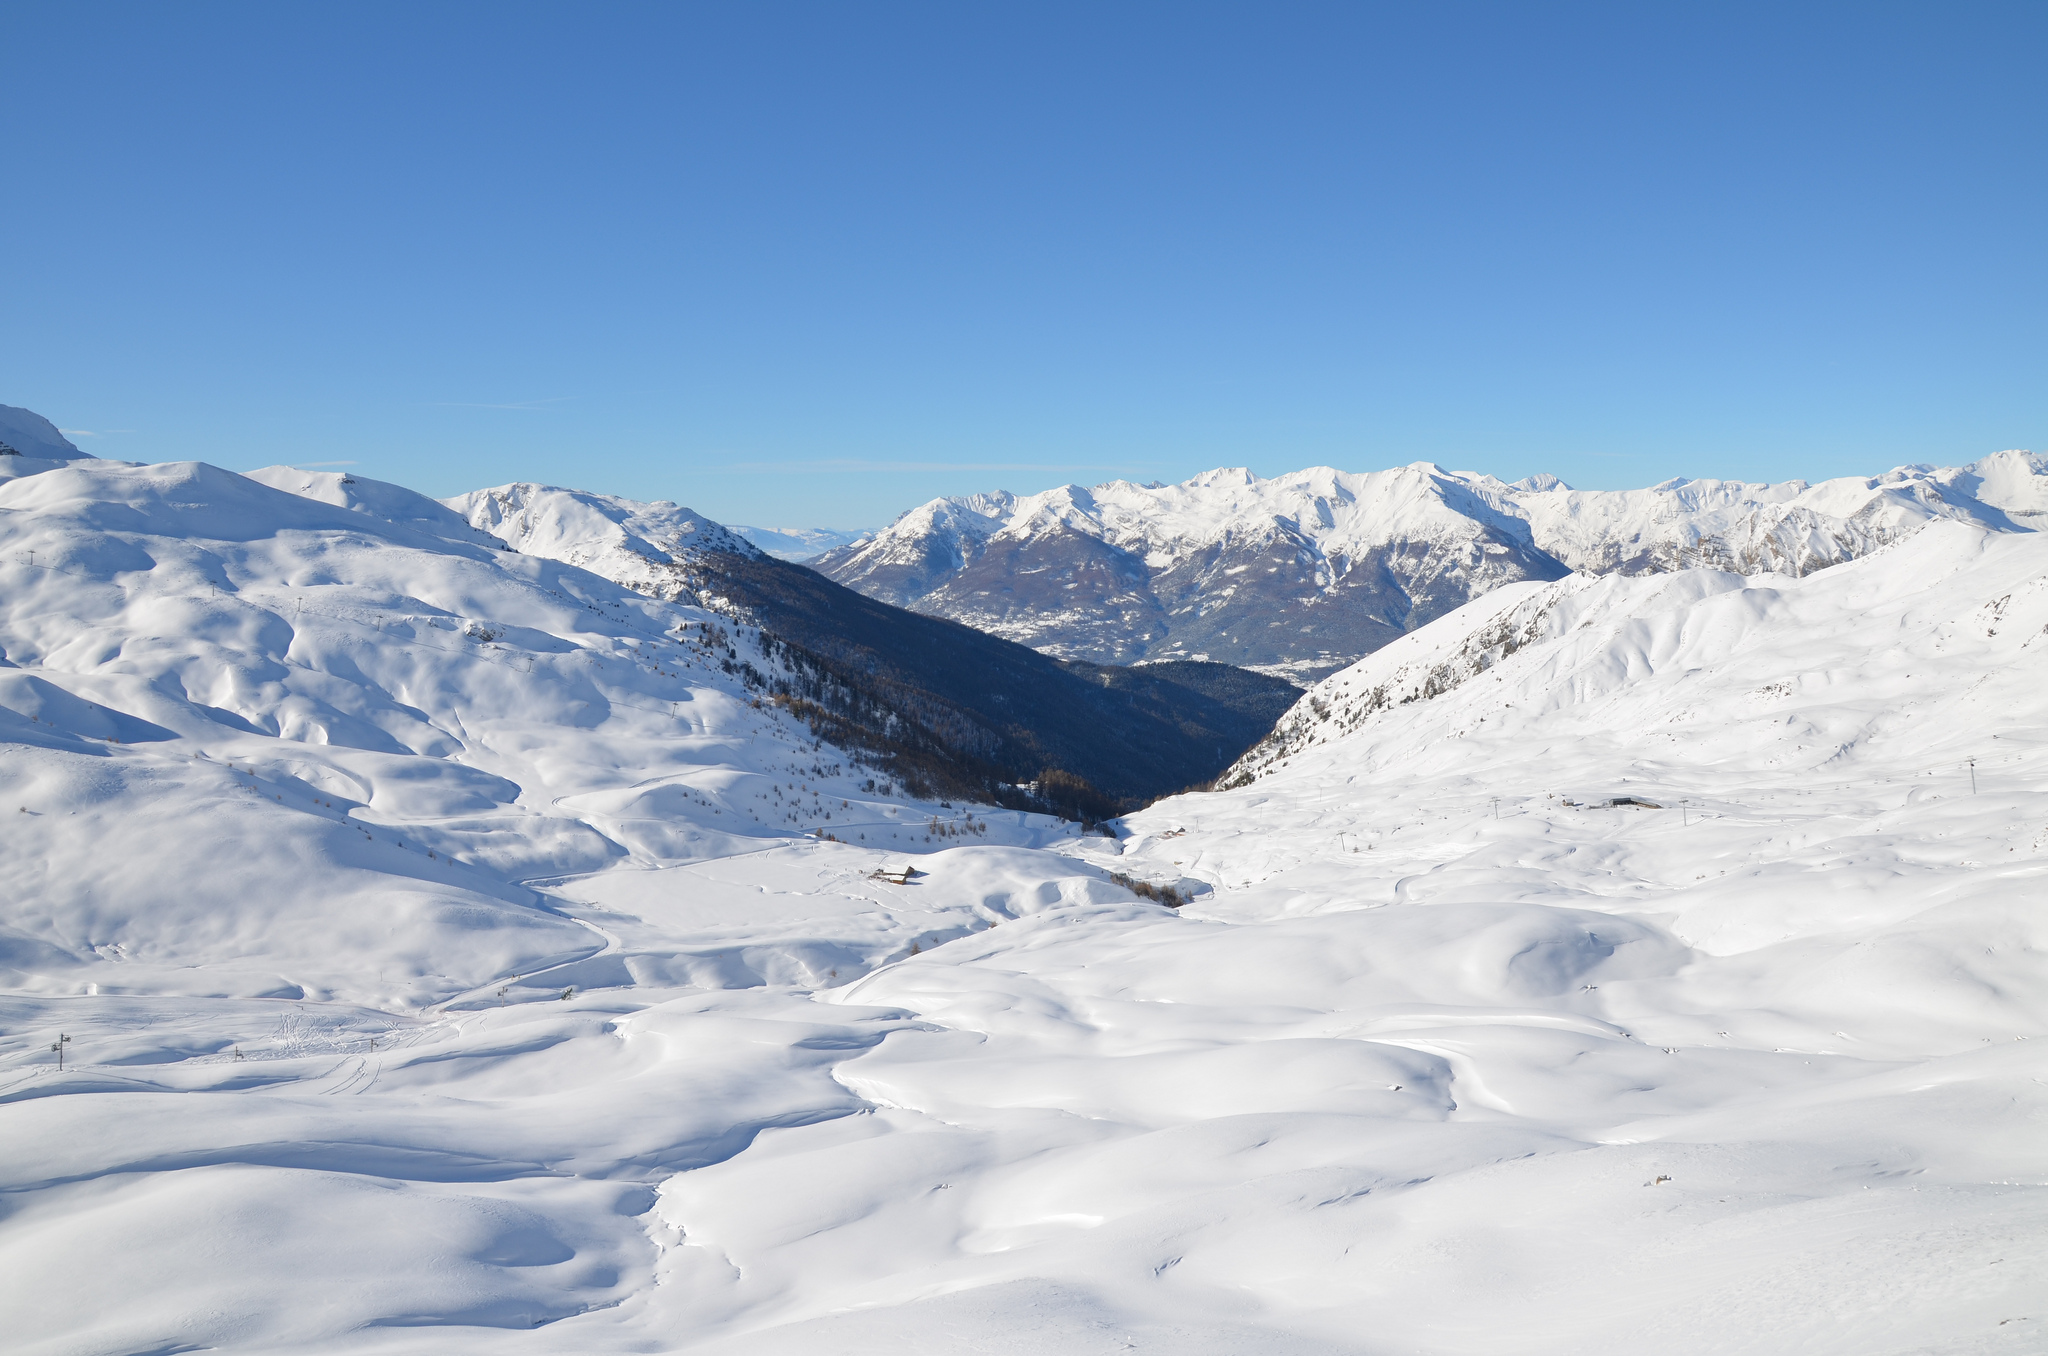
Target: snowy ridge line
[[1307, 571]]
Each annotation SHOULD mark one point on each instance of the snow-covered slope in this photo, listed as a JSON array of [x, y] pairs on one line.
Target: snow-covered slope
[[376, 499], [26, 434], [1304, 572], [442, 975], [265, 742], [625, 540], [1590, 652]]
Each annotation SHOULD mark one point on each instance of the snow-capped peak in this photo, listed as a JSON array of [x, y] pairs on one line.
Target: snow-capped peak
[[1304, 571], [626, 540], [26, 433]]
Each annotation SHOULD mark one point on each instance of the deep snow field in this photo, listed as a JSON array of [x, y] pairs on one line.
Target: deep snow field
[[446, 970]]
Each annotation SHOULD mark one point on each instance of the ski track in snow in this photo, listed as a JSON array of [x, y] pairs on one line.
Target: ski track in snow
[[321, 804]]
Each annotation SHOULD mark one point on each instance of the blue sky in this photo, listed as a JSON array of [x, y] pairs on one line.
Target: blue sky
[[812, 264]]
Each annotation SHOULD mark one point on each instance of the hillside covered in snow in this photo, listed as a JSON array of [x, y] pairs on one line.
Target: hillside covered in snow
[[396, 723], [417, 945], [24, 433], [1303, 573], [623, 539]]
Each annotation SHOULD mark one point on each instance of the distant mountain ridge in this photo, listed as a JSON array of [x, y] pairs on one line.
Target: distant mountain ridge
[[25, 433], [1306, 572], [797, 543]]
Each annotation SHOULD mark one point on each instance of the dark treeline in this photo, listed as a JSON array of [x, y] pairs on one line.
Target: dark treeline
[[951, 711]]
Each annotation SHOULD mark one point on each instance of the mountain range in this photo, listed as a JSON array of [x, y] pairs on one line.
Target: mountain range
[[1304, 573], [797, 543]]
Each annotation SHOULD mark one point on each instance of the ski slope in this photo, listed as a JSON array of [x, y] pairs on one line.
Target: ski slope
[[449, 968]]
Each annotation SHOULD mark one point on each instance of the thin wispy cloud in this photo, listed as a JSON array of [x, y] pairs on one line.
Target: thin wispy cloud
[[92, 433], [317, 465], [858, 466], [532, 405]]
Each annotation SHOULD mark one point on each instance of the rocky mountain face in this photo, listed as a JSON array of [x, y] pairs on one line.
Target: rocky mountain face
[[1303, 573]]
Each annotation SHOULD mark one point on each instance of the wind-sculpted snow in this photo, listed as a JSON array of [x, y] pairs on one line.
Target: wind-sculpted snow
[[1302, 573], [1450, 1052]]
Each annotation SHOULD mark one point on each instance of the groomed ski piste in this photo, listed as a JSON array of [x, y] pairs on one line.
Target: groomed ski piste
[[450, 963]]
